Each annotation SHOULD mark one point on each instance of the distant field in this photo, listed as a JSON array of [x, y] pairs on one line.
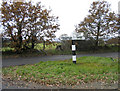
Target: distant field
[[87, 69], [7, 49], [47, 47], [39, 46]]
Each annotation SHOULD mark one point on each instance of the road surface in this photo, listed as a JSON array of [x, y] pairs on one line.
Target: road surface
[[33, 60]]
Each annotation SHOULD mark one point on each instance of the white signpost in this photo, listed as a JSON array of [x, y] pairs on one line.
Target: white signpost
[[74, 47], [73, 52]]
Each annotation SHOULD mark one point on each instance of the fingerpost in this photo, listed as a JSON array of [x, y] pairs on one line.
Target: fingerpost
[[73, 51]]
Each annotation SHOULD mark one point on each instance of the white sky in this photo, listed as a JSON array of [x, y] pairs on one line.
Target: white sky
[[71, 12]]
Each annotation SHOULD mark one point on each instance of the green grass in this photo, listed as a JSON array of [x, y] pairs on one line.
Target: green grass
[[87, 69], [39, 46], [47, 47], [58, 52], [6, 49]]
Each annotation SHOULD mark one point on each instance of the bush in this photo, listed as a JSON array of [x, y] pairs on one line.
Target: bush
[[81, 45], [66, 45]]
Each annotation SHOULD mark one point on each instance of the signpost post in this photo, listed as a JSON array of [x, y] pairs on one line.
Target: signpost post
[[74, 47], [73, 51]]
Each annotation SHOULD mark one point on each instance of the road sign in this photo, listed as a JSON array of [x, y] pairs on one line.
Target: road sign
[[78, 38]]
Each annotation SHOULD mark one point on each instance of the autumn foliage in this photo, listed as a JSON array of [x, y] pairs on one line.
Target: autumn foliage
[[26, 24], [100, 23]]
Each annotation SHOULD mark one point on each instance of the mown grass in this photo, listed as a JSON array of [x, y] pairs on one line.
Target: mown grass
[[87, 69]]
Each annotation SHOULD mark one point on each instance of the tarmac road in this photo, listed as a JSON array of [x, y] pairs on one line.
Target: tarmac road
[[33, 60]]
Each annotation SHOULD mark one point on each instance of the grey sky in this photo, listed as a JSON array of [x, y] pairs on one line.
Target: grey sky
[[71, 12]]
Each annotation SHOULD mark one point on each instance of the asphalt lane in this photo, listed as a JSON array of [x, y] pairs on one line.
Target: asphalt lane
[[32, 60]]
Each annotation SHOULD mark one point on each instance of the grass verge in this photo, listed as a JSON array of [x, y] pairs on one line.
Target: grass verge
[[87, 69]]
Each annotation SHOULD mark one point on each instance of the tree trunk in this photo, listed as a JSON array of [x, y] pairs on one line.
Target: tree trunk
[[19, 45], [20, 42], [20, 38], [96, 44], [33, 41], [43, 45], [97, 39], [32, 45]]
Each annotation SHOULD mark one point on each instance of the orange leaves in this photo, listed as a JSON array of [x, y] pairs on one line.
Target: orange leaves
[[95, 3], [88, 20], [27, 22]]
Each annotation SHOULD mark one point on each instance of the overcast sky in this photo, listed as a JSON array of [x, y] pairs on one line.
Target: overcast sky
[[71, 12]]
